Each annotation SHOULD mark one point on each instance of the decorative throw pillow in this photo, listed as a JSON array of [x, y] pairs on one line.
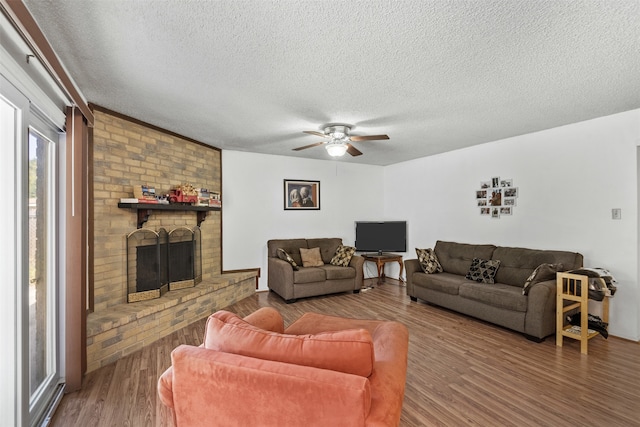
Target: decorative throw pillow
[[350, 350], [542, 273], [343, 255], [311, 257], [428, 261], [483, 270], [283, 255]]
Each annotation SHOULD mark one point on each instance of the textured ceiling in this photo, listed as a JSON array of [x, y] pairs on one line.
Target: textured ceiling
[[434, 75]]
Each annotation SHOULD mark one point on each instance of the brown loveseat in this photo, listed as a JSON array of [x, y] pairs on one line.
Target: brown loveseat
[[304, 282], [320, 371], [502, 302]]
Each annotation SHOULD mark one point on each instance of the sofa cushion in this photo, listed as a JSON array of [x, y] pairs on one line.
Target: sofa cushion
[[483, 270], [542, 273], [516, 264], [333, 272], [428, 261], [350, 351], [309, 275], [291, 246], [343, 256], [283, 255], [311, 257], [327, 247], [498, 295], [267, 318], [456, 257], [444, 282]]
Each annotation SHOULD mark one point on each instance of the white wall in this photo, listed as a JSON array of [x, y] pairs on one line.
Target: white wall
[[569, 179], [253, 206]]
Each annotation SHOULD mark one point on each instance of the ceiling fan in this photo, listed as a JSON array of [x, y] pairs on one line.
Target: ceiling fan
[[339, 139]]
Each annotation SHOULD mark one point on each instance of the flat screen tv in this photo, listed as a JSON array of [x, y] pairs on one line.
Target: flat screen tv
[[381, 236]]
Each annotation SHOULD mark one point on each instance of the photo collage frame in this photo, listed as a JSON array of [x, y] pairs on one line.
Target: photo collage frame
[[496, 197]]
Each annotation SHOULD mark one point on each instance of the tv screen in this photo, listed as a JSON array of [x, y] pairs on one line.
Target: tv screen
[[381, 236]]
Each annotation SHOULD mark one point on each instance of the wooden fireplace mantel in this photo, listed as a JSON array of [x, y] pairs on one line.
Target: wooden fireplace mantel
[[144, 210]]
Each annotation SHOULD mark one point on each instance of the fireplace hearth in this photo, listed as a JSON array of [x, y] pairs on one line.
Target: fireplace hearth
[[161, 261]]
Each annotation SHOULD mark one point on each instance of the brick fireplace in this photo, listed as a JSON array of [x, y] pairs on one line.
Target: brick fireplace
[[126, 152]]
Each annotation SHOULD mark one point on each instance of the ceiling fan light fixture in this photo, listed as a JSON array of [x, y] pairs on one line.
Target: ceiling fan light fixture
[[336, 149]]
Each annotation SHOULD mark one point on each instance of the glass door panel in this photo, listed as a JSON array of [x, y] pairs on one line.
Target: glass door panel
[[39, 368], [43, 365]]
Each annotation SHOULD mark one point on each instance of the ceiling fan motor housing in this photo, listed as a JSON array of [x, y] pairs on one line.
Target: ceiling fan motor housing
[[337, 131]]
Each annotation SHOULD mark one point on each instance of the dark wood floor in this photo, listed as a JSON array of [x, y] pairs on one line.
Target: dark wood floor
[[461, 371]]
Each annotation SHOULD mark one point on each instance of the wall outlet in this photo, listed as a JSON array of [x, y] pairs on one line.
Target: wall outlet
[[616, 213]]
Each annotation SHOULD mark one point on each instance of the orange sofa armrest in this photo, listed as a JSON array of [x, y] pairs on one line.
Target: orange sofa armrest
[[215, 388], [165, 387], [391, 342]]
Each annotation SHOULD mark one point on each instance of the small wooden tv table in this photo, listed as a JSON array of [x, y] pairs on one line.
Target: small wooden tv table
[[381, 260]]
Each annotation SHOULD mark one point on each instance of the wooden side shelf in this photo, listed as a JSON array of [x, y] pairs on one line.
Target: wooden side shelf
[[381, 260], [567, 290], [144, 210]]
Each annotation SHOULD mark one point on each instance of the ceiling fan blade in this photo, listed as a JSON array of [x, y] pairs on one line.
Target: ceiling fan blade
[[368, 137], [353, 150], [309, 146], [313, 132]]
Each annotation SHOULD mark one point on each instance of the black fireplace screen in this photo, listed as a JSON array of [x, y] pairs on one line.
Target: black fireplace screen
[[161, 261]]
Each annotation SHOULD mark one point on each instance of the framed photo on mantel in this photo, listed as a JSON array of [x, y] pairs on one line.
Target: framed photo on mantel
[[301, 195]]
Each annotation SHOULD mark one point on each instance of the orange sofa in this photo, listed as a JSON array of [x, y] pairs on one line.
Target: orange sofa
[[320, 371]]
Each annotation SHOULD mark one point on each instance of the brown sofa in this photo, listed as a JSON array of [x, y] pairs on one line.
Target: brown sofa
[[233, 379], [503, 302], [310, 281]]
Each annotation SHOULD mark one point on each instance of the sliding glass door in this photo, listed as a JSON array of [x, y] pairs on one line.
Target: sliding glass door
[[30, 143], [42, 283]]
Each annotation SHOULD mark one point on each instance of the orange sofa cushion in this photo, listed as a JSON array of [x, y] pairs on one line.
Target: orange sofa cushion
[[211, 388], [349, 351]]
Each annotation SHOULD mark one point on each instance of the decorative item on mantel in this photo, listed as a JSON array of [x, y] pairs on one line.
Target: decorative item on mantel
[[142, 194], [496, 197], [145, 193], [185, 194], [214, 199], [203, 197]]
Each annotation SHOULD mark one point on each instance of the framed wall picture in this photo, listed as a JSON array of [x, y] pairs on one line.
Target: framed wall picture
[[505, 210], [301, 195], [511, 192], [496, 197]]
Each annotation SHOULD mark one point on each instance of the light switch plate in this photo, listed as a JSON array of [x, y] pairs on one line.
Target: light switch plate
[[616, 213]]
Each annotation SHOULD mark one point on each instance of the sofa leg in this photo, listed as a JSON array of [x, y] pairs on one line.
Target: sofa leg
[[534, 339], [356, 291], [414, 299], [291, 301]]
